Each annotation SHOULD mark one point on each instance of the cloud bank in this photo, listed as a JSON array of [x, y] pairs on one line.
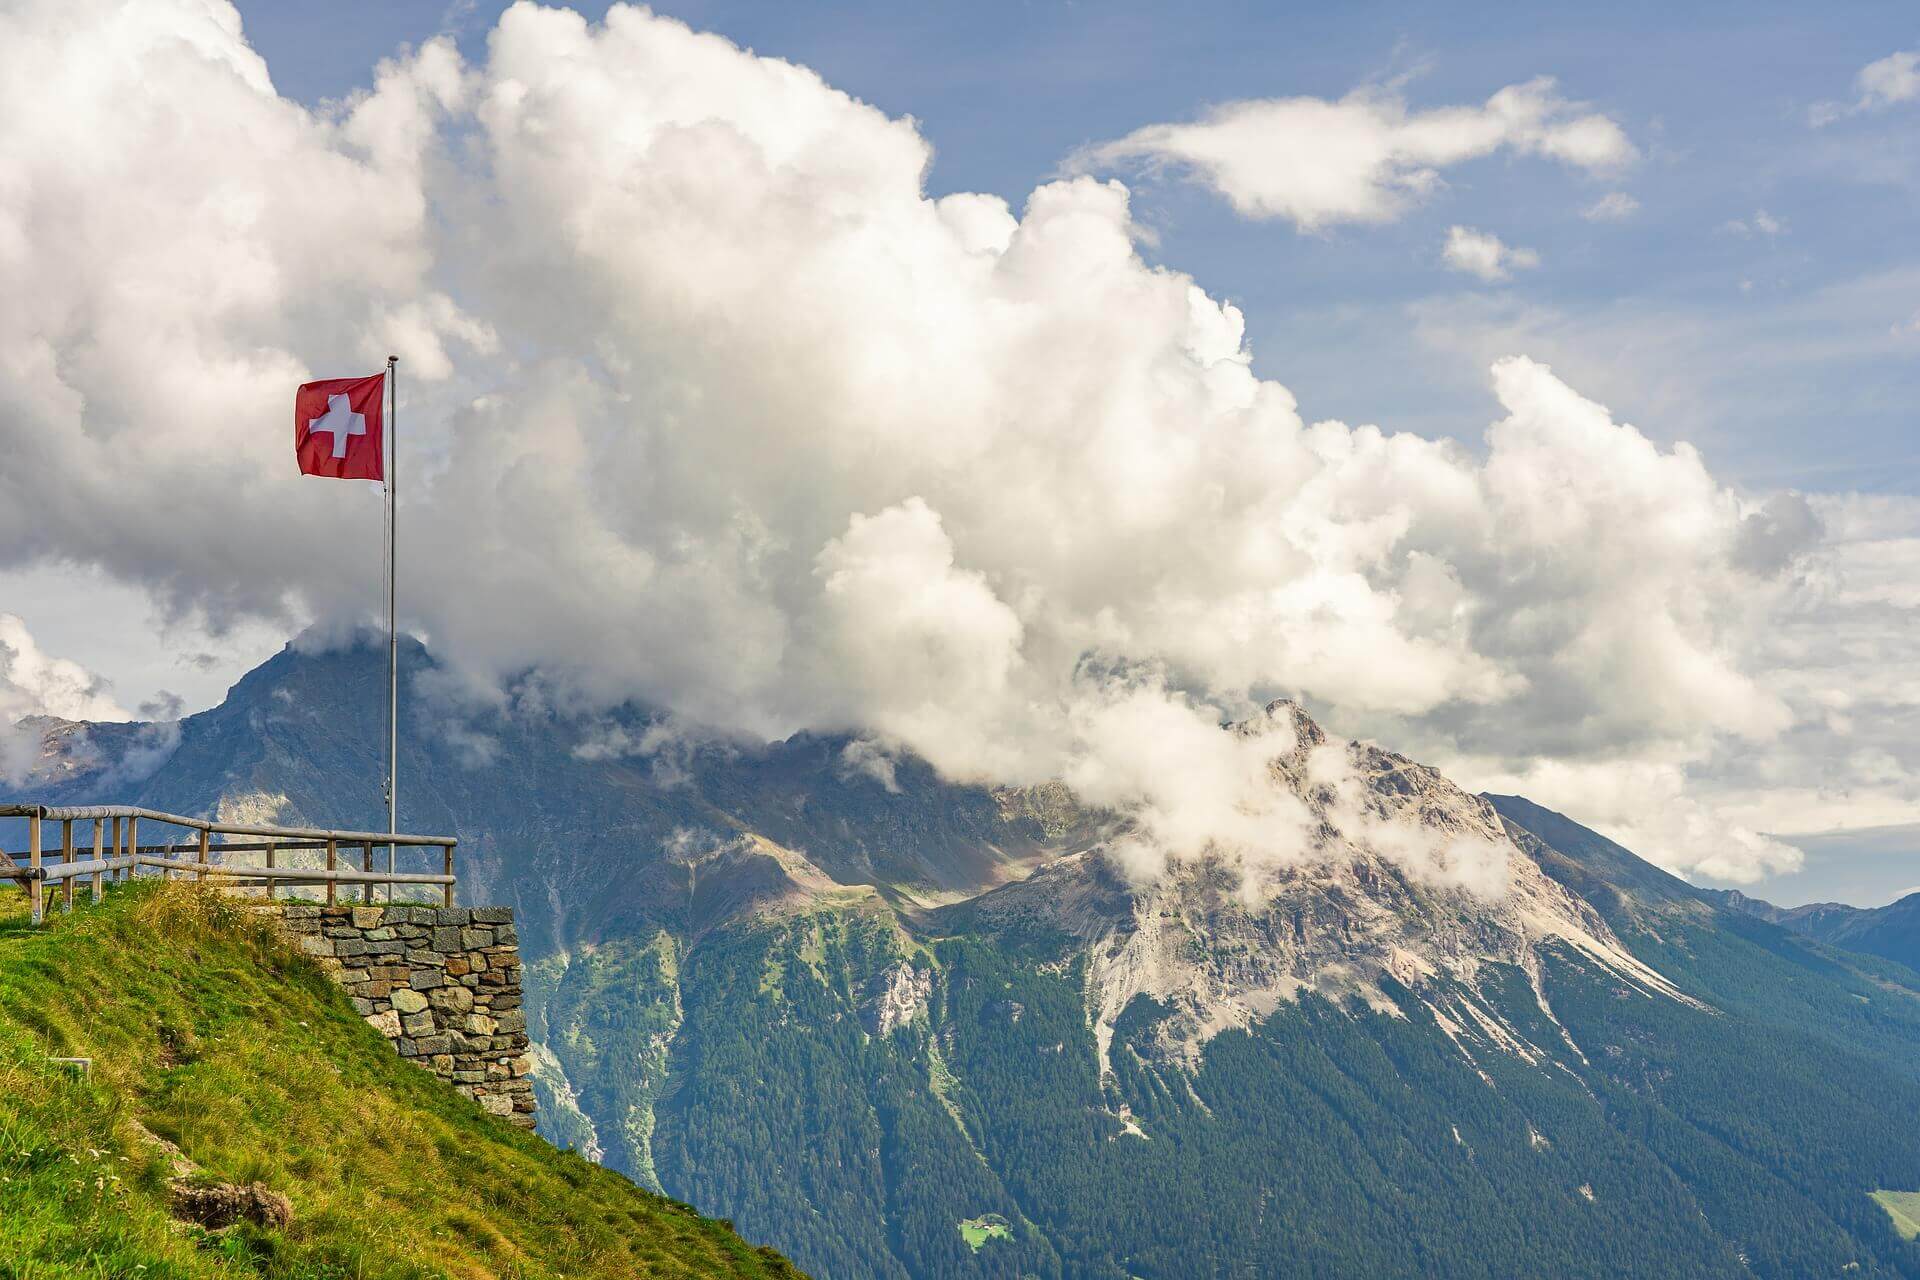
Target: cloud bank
[[1365, 157], [706, 403]]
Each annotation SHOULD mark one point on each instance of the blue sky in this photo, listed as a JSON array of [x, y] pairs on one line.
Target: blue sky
[[1791, 358]]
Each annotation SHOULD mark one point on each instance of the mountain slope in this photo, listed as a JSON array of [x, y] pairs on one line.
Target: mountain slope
[[902, 1028], [1892, 931], [207, 1031]]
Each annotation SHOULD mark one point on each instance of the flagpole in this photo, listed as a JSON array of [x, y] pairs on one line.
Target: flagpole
[[393, 615]]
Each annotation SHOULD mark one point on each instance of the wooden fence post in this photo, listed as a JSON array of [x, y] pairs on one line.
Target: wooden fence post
[[272, 884], [35, 890], [333, 850], [206, 838], [98, 853], [66, 860], [119, 844], [449, 872], [133, 844], [366, 865]]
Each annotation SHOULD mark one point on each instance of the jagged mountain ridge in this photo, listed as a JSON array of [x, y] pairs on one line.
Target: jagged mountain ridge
[[853, 1018], [1892, 930], [1341, 918]]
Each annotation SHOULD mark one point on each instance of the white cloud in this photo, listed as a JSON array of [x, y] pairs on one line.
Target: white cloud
[[1761, 223], [718, 411], [35, 683], [1615, 206], [1366, 157], [1483, 254], [1884, 83]]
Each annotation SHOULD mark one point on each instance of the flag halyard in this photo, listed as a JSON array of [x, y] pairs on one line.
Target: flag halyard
[[339, 427]]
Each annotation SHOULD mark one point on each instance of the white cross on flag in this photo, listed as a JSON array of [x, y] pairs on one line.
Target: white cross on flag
[[337, 428]]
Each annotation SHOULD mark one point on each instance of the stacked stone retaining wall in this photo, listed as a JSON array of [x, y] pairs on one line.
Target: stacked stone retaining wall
[[442, 983]]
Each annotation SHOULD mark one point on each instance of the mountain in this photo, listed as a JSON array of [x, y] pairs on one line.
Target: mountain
[[1892, 931], [899, 1028], [227, 1077]]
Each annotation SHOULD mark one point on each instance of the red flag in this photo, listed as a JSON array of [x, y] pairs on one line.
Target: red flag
[[337, 428]]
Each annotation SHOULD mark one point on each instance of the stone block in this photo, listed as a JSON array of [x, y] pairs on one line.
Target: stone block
[[382, 934], [511, 1021], [440, 1046], [422, 956], [457, 999], [367, 917], [446, 938], [506, 1000], [362, 1005], [427, 979], [387, 1024], [497, 1105], [442, 1063], [522, 1065], [407, 1001], [452, 915], [457, 965], [479, 1024], [317, 946], [299, 913], [506, 936], [493, 915], [474, 939], [419, 1024], [345, 946], [470, 1077]]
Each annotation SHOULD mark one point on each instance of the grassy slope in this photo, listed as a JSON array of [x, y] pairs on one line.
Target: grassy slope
[[1904, 1208], [212, 1034]]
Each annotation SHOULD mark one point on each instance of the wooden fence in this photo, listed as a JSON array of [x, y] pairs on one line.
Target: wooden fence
[[112, 849]]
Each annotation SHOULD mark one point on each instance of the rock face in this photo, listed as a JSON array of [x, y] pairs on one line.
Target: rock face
[[896, 997], [442, 983], [1402, 878]]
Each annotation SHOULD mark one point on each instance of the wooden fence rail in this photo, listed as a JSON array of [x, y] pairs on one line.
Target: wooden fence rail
[[116, 851]]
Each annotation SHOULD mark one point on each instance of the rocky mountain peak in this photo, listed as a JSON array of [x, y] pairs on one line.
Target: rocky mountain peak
[[1403, 887]]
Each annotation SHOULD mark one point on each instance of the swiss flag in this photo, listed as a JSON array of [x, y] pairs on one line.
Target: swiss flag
[[336, 428]]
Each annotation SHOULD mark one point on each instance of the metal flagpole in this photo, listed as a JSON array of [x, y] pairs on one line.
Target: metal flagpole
[[393, 616]]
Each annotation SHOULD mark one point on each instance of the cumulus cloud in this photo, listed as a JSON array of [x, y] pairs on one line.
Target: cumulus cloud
[[1883, 83], [1365, 157], [717, 411], [1483, 254]]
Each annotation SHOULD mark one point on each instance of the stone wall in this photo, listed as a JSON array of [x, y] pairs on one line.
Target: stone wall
[[442, 983]]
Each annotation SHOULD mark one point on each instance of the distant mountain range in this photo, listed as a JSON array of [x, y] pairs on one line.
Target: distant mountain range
[[1892, 931], [897, 1027]]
